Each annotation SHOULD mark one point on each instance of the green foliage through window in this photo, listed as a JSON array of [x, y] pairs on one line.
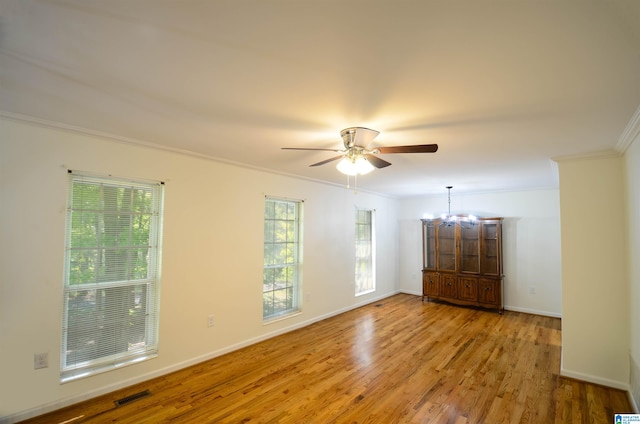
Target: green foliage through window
[[281, 257], [111, 285], [365, 252]]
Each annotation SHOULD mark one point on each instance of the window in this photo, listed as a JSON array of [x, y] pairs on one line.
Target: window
[[112, 273], [365, 252], [282, 257]]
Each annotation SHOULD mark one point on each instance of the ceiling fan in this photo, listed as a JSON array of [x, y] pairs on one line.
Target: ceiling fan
[[357, 158]]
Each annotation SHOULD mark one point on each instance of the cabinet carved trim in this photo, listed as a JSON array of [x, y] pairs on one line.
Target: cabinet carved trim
[[462, 261]]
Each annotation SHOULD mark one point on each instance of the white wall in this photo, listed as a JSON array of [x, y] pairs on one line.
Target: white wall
[[632, 166], [595, 289], [531, 243], [212, 256]]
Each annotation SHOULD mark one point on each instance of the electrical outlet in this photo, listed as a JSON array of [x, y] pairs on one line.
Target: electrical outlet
[[40, 360], [210, 321], [532, 290]]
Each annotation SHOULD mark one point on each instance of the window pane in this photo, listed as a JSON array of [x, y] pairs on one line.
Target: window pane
[[290, 253], [269, 210], [364, 252], [105, 322], [281, 210], [281, 257], [280, 231], [269, 280], [268, 254], [291, 231], [267, 304], [111, 300], [269, 231]]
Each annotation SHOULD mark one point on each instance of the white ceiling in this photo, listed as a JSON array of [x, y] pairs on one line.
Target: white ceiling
[[501, 86]]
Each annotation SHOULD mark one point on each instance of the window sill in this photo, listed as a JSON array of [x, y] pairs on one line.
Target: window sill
[[267, 321], [73, 375]]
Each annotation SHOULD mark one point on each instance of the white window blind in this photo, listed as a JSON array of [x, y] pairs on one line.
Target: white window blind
[[365, 252], [112, 274], [282, 257]]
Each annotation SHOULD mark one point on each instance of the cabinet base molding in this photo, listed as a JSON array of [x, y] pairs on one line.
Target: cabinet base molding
[[459, 302]]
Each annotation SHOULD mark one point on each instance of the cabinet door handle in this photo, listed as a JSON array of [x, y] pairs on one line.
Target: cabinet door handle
[[467, 286]]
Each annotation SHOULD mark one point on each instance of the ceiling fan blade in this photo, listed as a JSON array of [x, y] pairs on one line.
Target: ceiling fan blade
[[327, 160], [376, 161], [311, 148], [418, 148]]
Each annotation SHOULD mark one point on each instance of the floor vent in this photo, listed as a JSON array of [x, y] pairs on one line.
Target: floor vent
[[379, 305], [132, 398]]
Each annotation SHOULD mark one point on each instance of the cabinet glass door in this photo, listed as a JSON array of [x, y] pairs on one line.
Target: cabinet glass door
[[469, 247], [490, 262], [428, 245], [446, 236]]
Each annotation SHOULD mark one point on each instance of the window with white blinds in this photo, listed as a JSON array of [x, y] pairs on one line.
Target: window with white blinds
[[112, 274], [282, 257], [365, 281]]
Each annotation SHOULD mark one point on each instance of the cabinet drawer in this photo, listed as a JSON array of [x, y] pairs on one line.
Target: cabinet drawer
[[489, 292], [448, 285], [430, 284], [468, 288]]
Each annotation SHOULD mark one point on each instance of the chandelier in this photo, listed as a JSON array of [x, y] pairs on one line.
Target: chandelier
[[450, 219]]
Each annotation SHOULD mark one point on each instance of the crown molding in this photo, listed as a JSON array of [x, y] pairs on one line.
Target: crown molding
[[53, 125], [630, 133]]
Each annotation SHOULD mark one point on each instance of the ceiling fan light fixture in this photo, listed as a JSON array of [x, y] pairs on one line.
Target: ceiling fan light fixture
[[363, 166], [357, 158], [347, 166], [358, 165]]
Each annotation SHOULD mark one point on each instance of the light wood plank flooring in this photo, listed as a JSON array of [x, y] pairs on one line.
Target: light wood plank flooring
[[396, 361]]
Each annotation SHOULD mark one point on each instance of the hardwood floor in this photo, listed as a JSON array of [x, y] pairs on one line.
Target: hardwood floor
[[397, 361]]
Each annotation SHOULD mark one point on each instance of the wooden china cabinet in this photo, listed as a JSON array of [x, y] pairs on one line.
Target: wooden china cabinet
[[462, 261]]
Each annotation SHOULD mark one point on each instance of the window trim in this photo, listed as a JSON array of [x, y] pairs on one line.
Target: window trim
[[151, 318], [296, 308], [372, 248]]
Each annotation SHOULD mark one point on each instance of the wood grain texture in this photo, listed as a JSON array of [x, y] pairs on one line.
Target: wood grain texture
[[396, 361]]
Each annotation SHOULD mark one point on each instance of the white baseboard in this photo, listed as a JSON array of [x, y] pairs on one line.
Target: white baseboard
[[633, 403], [532, 311], [603, 382], [61, 403], [634, 383], [621, 385], [507, 308]]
